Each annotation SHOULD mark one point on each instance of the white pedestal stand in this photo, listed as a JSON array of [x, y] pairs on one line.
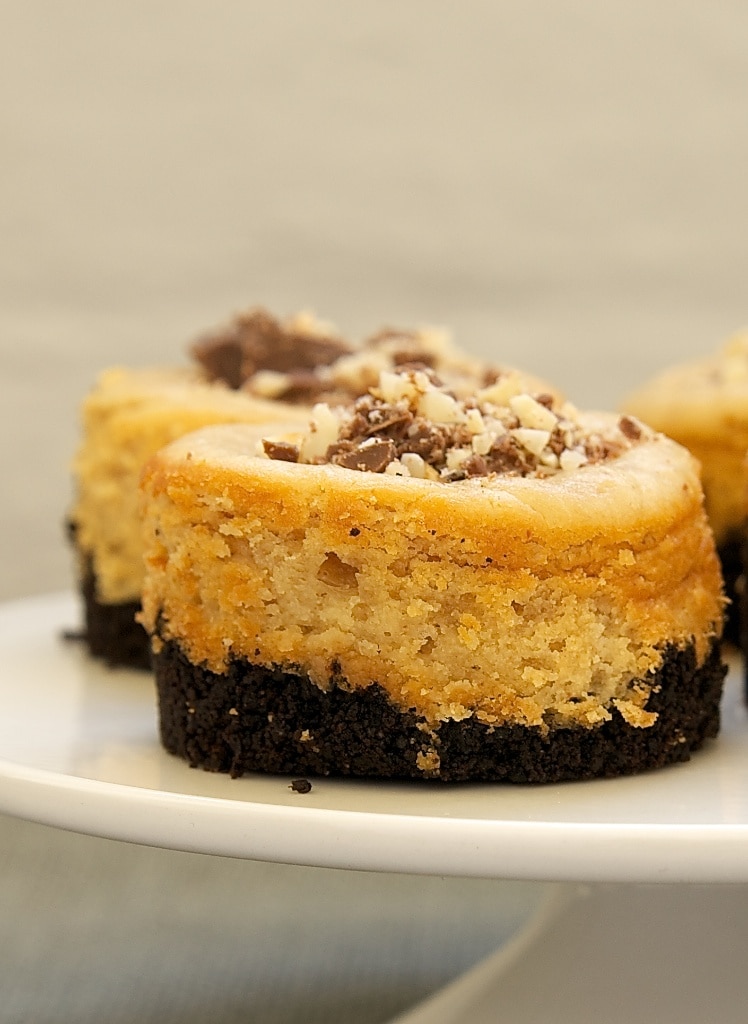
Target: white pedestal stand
[[612, 954]]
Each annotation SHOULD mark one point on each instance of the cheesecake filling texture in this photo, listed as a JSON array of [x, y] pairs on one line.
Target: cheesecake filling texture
[[127, 417]]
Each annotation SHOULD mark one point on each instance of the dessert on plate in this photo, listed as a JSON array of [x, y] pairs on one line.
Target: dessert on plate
[[704, 405], [257, 369], [420, 585]]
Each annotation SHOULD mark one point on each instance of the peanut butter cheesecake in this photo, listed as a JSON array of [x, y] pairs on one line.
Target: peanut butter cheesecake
[[257, 369], [130, 414], [704, 405], [492, 587]]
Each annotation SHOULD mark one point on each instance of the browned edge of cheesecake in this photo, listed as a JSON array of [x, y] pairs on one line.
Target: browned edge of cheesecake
[[258, 719]]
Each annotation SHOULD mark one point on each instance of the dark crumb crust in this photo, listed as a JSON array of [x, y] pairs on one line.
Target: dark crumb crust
[[741, 612], [111, 632], [269, 720], [732, 553]]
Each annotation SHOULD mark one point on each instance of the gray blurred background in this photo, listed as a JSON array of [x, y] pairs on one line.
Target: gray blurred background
[[562, 184]]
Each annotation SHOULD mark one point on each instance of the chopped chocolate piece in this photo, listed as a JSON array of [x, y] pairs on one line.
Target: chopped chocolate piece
[[301, 786], [407, 349], [257, 341], [475, 465], [281, 450], [358, 426], [630, 428], [491, 375], [339, 448], [221, 360], [370, 457], [428, 441], [556, 443], [393, 425], [303, 386], [506, 456], [597, 448]]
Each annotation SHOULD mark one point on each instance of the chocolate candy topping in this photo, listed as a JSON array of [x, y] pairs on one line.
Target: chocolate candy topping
[[411, 424], [257, 341]]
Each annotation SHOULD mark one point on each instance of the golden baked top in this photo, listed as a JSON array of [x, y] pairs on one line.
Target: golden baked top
[[611, 501]]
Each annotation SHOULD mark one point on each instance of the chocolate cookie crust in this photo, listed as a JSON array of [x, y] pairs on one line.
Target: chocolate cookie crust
[[111, 632], [261, 719], [732, 553]]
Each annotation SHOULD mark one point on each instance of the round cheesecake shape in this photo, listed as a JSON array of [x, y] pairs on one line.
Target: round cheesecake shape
[[312, 618], [704, 406]]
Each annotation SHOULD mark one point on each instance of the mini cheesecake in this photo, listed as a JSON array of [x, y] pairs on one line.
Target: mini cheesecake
[[704, 406], [257, 369], [128, 416], [421, 586]]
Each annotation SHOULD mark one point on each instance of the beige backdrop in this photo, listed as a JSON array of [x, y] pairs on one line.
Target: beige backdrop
[[562, 183]]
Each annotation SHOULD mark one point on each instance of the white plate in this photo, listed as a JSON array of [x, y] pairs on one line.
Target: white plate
[[79, 749]]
